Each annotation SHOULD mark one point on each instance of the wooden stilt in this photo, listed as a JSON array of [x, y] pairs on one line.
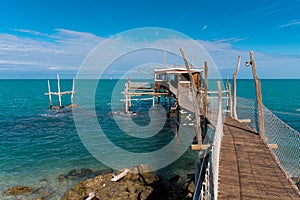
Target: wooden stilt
[[126, 98], [258, 97], [230, 99], [205, 89], [234, 87], [58, 91], [73, 92], [50, 95], [196, 106]]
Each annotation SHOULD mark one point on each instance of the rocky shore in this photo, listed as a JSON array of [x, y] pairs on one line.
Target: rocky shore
[[138, 184]]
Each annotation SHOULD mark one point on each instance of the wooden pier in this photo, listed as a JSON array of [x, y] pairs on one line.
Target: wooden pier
[[240, 160], [248, 168]]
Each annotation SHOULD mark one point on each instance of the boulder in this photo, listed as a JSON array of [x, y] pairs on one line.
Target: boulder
[[18, 190]]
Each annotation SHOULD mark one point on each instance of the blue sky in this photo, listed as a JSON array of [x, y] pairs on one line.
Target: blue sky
[[41, 38]]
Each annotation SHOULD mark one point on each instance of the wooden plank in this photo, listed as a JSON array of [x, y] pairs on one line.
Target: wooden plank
[[248, 169]]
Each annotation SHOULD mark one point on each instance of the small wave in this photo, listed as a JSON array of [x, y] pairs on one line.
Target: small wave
[[287, 113]]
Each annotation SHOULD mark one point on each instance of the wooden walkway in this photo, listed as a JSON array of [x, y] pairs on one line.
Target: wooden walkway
[[248, 169]]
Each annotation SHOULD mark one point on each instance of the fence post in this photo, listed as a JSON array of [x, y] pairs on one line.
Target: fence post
[[261, 123], [234, 87]]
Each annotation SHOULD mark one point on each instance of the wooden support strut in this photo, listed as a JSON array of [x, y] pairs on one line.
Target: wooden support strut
[[205, 89], [72, 94], [196, 106], [50, 96], [234, 87], [258, 98], [58, 91]]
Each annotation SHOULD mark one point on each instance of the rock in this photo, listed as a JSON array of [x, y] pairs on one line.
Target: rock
[[18, 190], [62, 178], [146, 193], [134, 186], [143, 168], [104, 171], [44, 193], [189, 186], [149, 178], [80, 173]]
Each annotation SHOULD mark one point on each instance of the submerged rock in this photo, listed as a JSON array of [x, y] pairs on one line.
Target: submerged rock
[[18, 190]]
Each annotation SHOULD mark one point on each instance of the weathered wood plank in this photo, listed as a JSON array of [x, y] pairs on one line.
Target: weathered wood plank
[[248, 170]]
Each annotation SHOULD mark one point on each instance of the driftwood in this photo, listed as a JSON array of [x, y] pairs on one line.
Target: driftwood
[[120, 176]]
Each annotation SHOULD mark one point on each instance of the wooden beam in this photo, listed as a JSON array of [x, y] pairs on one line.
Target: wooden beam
[[198, 147], [234, 87], [50, 96], [258, 97], [244, 120], [58, 91], [196, 106], [205, 89]]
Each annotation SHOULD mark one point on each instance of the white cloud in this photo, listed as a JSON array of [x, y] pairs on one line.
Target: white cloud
[[64, 51], [292, 23], [203, 28]]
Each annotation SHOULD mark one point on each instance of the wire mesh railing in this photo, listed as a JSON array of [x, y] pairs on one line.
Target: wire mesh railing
[[285, 138], [216, 146]]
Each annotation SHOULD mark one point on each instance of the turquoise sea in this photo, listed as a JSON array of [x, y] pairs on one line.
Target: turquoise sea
[[38, 144]]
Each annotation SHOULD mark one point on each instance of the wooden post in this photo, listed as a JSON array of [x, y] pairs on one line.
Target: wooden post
[[234, 87], [258, 97], [227, 96], [219, 95], [196, 106], [205, 89], [50, 95], [73, 91], [126, 98], [58, 91], [230, 99]]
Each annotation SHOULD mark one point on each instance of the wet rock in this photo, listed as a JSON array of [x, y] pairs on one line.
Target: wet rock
[[80, 173], [44, 192], [62, 178], [104, 171], [18, 190]]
